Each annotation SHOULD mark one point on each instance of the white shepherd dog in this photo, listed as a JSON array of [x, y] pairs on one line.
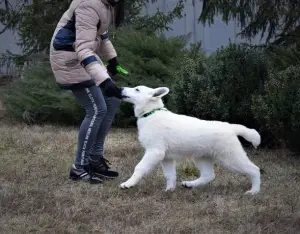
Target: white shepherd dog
[[167, 136]]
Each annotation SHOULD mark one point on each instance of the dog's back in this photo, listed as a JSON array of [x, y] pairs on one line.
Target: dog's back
[[181, 134]]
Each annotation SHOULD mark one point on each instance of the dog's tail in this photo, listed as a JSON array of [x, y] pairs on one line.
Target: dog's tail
[[250, 135]]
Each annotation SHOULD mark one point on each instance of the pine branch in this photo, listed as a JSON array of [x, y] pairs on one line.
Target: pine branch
[[274, 19], [6, 4], [13, 19]]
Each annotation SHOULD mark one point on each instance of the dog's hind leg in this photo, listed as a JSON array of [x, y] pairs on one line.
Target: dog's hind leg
[[151, 158], [169, 170], [236, 159], [207, 173]]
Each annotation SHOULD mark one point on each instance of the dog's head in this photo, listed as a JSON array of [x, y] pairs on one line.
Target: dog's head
[[144, 98]]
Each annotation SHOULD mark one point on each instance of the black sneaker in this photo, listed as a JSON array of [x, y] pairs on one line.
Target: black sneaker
[[100, 168], [82, 174]]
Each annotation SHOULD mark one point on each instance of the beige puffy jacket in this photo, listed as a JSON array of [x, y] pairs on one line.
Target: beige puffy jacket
[[79, 41]]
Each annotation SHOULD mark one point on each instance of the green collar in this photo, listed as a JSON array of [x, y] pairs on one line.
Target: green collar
[[152, 112]]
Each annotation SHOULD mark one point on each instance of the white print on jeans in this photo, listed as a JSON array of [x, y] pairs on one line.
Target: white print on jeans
[[87, 136]]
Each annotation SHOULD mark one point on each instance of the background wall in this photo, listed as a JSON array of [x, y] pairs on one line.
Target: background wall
[[8, 41], [211, 37]]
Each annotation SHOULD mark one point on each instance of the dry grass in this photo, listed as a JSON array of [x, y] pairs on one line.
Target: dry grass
[[37, 197], [2, 110]]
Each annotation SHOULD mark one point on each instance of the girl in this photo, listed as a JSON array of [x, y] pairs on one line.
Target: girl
[[78, 42]]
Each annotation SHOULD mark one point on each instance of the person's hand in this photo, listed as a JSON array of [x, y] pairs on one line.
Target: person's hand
[[113, 67], [110, 89]]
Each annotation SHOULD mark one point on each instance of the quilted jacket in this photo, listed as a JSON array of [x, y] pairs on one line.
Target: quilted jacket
[[80, 42]]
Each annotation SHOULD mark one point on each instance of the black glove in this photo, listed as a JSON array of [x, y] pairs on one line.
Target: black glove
[[112, 66], [110, 89]]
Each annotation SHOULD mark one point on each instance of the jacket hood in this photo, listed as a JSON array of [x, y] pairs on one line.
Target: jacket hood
[[105, 2], [109, 3], [117, 10]]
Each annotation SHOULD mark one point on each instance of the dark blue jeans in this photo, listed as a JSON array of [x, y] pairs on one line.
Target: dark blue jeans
[[100, 112]]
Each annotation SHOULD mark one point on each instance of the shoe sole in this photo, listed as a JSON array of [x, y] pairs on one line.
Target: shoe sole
[[106, 177], [90, 180], [95, 180]]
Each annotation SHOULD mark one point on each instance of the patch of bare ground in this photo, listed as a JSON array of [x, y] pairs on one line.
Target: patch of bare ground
[[36, 195]]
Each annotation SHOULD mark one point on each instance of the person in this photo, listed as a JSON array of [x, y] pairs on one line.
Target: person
[[79, 41]]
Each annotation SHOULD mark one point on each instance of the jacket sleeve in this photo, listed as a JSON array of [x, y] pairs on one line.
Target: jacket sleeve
[[87, 20], [106, 49]]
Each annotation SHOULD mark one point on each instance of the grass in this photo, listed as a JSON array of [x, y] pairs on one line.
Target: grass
[[37, 197]]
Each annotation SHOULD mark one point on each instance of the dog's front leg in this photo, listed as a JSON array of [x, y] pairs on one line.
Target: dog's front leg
[[145, 166], [169, 170]]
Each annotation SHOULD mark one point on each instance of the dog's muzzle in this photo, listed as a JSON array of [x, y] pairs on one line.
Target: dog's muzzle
[[123, 96]]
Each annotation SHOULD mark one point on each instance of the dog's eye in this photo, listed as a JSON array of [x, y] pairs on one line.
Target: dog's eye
[[137, 90]]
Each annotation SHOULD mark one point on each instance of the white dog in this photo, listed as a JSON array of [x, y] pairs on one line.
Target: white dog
[[167, 136]]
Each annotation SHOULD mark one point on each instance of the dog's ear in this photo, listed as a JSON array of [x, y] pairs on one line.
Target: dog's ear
[[160, 92]]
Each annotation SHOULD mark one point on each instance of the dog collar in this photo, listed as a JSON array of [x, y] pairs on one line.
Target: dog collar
[[152, 112]]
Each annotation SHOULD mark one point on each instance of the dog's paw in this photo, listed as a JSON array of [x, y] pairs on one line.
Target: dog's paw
[[169, 189], [125, 185], [187, 184], [252, 192]]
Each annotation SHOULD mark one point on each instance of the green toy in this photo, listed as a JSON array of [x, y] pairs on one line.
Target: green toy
[[122, 70]]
